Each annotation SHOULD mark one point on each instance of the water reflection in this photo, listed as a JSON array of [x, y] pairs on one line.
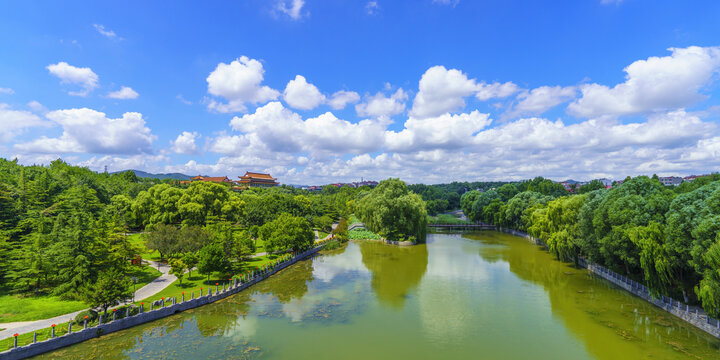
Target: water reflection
[[395, 270]]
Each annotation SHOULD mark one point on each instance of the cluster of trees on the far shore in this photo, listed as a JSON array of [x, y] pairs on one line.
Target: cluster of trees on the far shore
[[667, 238]]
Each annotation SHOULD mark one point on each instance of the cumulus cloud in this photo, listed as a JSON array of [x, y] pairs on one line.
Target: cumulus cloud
[[655, 84], [15, 122], [341, 98], [445, 131], [442, 90], [541, 99], [300, 94], [123, 94], [239, 83], [274, 128], [291, 8], [68, 74], [185, 143], [379, 105], [89, 131]]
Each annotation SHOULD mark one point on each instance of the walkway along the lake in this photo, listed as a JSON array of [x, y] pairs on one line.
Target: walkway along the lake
[[691, 314], [144, 316]]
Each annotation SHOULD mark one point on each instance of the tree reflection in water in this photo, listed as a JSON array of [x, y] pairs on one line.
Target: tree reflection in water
[[396, 270]]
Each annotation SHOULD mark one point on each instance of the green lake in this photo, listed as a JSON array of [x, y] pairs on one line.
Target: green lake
[[484, 295]]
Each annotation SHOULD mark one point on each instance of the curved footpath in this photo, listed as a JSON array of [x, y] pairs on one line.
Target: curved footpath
[[152, 288]]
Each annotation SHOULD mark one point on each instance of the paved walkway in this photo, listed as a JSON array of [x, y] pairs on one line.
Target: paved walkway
[[148, 290]]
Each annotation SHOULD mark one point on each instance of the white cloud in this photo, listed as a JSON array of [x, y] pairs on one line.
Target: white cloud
[[655, 84], [372, 7], [341, 98], [185, 143], [300, 94], [380, 105], [105, 32], [496, 90], [541, 99], [442, 90], [291, 8], [68, 74], [445, 131], [274, 128], [6, 91], [124, 93], [15, 122], [239, 83], [89, 131], [36, 106]]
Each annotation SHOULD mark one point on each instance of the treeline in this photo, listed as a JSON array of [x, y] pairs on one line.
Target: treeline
[[445, 197], [667, 238], [63, 228]]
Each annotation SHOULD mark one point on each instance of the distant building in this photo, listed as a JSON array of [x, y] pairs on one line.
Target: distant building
[[215, 179], [693, 177], [251, 179], [569, 185], [671, 180]]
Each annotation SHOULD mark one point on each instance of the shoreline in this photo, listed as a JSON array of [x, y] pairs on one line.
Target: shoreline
[[33, 349], [389, 242], [692, 315]]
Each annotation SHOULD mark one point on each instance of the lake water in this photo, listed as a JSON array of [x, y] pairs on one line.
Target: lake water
[[484, 295]]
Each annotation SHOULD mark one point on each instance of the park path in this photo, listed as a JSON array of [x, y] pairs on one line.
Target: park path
[[152, 288]]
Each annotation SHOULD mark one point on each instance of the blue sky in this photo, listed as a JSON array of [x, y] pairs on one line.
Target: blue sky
[[325, 91]]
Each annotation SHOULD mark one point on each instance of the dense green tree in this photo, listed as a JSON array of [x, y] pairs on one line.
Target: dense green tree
[[177, 268], [287, 232], [212, 258], [110, 288], [393, 212], [164, 239]]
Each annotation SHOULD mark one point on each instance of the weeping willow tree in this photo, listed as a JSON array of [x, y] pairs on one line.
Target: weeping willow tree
[[393, 211]]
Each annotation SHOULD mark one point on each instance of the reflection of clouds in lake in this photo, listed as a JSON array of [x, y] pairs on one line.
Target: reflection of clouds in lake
[[243, 328], [452, 262], [326, 268], [447, 309]]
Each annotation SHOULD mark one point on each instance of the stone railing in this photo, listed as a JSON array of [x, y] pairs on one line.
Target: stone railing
[[693, 315], [174, 306]]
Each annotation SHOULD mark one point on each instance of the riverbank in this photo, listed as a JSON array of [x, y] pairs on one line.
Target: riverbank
[[693, 315], [173, 306], [388, 242]]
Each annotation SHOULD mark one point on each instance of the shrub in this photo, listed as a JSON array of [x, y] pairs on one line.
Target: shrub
[[80, 318]]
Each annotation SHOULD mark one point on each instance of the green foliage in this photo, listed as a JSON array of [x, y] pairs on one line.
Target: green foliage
[[287, 232], [591, 186], [111, 287], [341, 231], [212, 258], [446, 219], [393, 212], [177, 268], [92, 315]]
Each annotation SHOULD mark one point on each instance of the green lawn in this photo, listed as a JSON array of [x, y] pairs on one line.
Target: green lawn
[[15, 307], [28, 308], [259, 246], [446, 219], [197, 281], [322, 234]]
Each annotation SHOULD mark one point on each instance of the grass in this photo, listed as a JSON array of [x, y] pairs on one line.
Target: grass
[[43, 334], [446, 219], [362, 234], [259, 246], [29, 308], [15, 307], [322, 234]]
